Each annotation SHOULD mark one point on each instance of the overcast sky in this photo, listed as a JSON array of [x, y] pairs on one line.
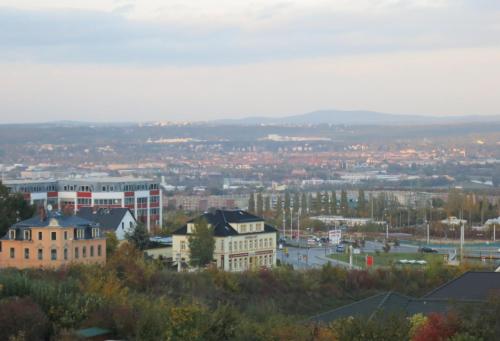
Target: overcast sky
[[124, 60]]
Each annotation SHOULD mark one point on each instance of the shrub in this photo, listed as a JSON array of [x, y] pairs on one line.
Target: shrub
[[22, 318]]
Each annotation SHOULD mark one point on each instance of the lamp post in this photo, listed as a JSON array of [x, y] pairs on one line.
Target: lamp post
[[298, 226], [462, 239]]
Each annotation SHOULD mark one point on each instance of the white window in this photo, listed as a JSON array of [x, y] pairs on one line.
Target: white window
[[230, 247], [222, 245], [183, 245], [12, 234], [95, 232], [26, 235], [80, 234]]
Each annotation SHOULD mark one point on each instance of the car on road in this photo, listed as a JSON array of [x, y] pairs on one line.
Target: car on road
[[426, 249], [340, 248]]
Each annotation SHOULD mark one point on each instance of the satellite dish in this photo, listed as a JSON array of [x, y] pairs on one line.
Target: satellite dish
[[49, 207]]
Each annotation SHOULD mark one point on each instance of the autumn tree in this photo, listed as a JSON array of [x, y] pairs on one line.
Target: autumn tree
[[22, 319], [201, 244], [111, 243]]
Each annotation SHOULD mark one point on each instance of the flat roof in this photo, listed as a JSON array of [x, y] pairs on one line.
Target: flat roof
[[108, 179], [28, 181], [89, 179]]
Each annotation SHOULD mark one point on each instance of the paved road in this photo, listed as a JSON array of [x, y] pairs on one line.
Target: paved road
[[303, 258], [314, 256]]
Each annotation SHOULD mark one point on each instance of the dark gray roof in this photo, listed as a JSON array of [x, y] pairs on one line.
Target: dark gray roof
[[61, 219], [221, 220], [107, 218], [469, 286], [388, 304]]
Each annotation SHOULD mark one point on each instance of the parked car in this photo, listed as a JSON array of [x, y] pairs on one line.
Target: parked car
[[426, 249], [340, 248]]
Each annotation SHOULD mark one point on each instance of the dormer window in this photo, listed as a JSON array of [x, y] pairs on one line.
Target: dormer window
[[27, 235], [80, 234], [95, 232], [12, 234]]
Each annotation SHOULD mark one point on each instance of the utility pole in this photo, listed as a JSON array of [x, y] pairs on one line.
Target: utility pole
[[462, 240], [298, 226], [284, 223], [350, 256], [372, 206], [494, 232], [428, 237], [386, 231], [291, 223]]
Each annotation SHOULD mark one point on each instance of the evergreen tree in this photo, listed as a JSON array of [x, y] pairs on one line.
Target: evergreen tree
[[267, 204], [251, 203], [317, 203], [287, 208], [333, 203], [260, 204], [13, 208], [139, 237], [344, 203], [201, 244], [303, 204], [325, 204], [279, 206], [361, 203], [296, 202], [287, 202]]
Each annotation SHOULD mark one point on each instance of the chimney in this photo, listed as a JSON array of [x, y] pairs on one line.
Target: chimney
[[41, 213]]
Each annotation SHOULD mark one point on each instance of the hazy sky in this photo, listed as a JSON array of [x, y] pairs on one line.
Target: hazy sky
[[108, 60]]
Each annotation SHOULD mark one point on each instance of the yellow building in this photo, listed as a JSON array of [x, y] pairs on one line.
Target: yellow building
[[52, 241], [242, 241]]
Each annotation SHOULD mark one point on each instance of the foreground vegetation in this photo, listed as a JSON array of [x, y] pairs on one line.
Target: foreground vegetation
[[138, 300]]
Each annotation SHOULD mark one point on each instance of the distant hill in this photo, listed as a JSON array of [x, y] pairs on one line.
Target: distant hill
[[358, 117]]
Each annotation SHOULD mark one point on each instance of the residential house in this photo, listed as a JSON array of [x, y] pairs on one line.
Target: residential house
[[118, 220]]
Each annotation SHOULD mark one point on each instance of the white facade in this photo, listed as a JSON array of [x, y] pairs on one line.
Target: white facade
[[252, 248], [126, 225]]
